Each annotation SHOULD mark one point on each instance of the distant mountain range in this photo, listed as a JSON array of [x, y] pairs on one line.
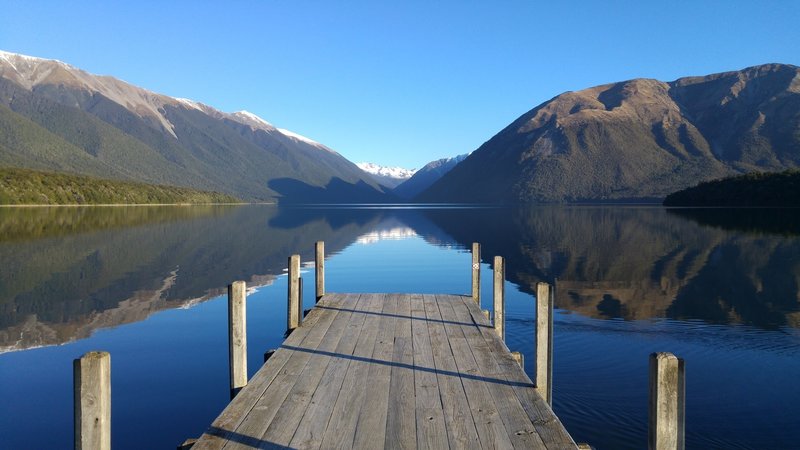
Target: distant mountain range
[[637, 139], [407, 184], [390, 177], [426, 176], [633, 140], [54, 116]]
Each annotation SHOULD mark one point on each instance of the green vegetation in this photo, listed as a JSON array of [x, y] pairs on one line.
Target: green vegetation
[[29, 187], [67, 129], [753, 189]]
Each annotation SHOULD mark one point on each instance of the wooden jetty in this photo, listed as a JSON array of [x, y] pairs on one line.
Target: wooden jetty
[[390, 371], [387, 371], [393, 371]]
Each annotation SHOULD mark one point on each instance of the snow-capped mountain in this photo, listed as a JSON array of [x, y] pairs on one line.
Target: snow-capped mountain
[[387, 176], [257, 123], [63, 118], [426, 176]]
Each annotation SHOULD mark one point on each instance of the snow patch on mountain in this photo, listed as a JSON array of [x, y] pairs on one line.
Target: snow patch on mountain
[[384, 171], [251, 119], [30, 71], [189, 103], [301, 138]]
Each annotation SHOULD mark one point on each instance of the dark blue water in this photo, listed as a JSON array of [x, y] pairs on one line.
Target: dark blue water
[[718, 289]]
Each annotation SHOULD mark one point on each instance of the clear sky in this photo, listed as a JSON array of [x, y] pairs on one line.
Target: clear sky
[[397, 82]]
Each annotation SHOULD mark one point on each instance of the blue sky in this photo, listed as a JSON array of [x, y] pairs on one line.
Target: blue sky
[[402, 82]]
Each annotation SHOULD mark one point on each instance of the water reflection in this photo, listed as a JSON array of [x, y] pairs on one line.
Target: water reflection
[[643, 263], [69, 271], [779, 221]]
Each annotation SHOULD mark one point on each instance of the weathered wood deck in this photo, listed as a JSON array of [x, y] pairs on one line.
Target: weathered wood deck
[[394, 371]]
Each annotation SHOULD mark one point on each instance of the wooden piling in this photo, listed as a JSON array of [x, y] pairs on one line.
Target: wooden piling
[[293, 314], [544, 341], [519, 358], [319, 266], [476, 272], [237, 335], [667, 405], [499, 297], [92, 401], [187, 444]]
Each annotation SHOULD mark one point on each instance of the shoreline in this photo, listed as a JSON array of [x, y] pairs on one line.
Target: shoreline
[[76, 205]]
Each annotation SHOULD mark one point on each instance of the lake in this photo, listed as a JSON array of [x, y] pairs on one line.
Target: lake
[[719, 288]]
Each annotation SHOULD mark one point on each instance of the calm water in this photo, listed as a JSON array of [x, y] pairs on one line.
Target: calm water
[[719, 288]]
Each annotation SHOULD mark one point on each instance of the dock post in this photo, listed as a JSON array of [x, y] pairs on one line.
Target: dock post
[[519, 358], [667, 406], [499, 297], [319, 265], [92, 401], [293, 314], [237, 335], [476, 272], [544, 341]]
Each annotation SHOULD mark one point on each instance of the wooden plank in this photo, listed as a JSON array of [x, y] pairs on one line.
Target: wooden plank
[[461, 431], [401, 428], [341, 428], [312, 427], [431, 430], [547, 425], [518, 425], [371, 423], [392, 371], [325, 364], [266, 407], [317, 324], [491, 431]]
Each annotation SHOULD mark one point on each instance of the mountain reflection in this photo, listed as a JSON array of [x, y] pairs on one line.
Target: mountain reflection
[[69, 271], [780, 221], [642, 263]]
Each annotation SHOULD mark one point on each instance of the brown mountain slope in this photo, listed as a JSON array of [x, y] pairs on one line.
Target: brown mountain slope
[[636, 139]]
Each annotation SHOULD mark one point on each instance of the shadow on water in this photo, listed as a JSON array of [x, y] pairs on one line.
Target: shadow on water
[[777, 221]]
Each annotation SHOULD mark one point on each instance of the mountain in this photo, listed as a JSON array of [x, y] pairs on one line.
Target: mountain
[[637, 139], [390, 177], [54, 116], [426, 176]]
